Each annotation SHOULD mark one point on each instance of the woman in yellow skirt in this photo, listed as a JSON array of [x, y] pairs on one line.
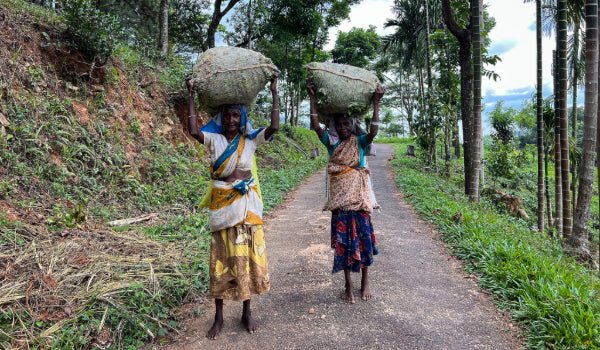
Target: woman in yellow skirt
[[238, 259]]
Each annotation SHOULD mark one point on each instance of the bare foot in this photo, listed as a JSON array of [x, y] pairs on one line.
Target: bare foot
[[348, 296], [250, 324], [365, 294], [215, 330]]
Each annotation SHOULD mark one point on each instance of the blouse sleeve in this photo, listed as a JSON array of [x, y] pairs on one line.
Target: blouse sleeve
[[362, 141], [260, 137], [208, 138], [325, 139]]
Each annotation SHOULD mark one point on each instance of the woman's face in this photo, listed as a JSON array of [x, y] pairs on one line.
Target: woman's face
[[231, 119], [343, 126]]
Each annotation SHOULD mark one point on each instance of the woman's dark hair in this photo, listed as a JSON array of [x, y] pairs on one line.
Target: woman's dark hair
[[223, 108], [339, 115]]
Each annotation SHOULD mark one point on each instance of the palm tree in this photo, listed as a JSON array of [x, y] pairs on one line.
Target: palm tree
[[476, 144], [463, 35], [432, 149], [548, 132], [540, 120], [577, 241], [558, 213], [564, 121], [411, 41], [574, 62], [549, 20]]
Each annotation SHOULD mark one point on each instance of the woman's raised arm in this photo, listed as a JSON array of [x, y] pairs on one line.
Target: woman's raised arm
[[272, 129], [375, 120], [314, 117], [193, 128]]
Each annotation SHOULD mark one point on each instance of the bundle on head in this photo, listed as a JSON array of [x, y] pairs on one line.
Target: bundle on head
[[341, 88], [230, 75]]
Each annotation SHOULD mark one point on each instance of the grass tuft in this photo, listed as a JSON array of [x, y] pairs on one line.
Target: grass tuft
[[553, 297]]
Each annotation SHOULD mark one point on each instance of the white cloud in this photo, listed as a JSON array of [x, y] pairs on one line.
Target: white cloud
[[512, 36], [518, 67]]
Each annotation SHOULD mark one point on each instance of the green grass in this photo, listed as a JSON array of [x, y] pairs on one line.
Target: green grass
[[107, 170], [389, 139], [524, 186], [63, 176], [44, 15], [192, 235], [554, 299], [288, 166]]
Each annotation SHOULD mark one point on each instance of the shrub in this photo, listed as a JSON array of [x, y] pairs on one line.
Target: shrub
[[94, 32], [502, 160]]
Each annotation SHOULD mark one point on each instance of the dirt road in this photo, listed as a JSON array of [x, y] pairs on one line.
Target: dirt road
[[423, 300]]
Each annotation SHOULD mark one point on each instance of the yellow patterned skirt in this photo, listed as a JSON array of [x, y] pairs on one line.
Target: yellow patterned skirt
[[238, 263]]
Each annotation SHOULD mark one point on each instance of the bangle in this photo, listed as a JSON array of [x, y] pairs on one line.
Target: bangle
[[375, 123], [191, 116], [314, 114], [275, 109]]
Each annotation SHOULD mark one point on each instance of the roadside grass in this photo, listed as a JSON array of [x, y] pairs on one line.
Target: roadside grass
[[70, 161], [554, 298], [43, 14], [141, 307], [67, 280], [285, 166]]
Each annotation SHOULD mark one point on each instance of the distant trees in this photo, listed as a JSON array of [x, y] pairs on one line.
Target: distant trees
[[291, 33], [358, 47]]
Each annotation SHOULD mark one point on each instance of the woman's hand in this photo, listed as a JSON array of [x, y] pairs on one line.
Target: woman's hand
[[310, 88], [190, 86], [274, 111], [192, 120], [273, 86], [314, 117], [378, 95]]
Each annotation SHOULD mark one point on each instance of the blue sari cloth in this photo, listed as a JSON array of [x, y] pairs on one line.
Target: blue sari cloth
[[353, 239]]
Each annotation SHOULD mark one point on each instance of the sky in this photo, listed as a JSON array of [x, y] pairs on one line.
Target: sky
[[513, 39]]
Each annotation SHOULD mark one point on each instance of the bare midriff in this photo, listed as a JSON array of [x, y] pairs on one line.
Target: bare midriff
[[238, 174]]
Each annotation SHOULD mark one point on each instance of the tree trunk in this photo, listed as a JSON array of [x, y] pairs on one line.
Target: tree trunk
[[574, 84], [448, 143], [564, 120], [449, 120], [433, 149], [297, 105], [463, 36], [476, 132], [288, 96], [421, 90], [291, 106], [250, 26], [577, 242], [163, 23], [215, 20], [597, 128], [550, 221], [540, 119], [466, 107], [557, 152], [456, 136], [409, 121]]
